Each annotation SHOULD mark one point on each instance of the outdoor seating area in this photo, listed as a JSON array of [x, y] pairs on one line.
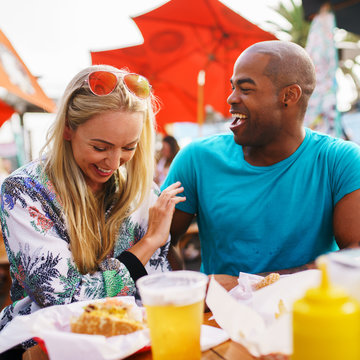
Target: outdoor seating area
[[180, 180]]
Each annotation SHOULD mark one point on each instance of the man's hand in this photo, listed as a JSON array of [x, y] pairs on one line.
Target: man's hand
[[226, 281]]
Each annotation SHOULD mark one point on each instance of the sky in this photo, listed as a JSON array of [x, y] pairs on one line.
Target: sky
[[54, 39]]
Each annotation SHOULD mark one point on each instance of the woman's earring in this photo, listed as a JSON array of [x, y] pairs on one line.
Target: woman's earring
[[285, 104]]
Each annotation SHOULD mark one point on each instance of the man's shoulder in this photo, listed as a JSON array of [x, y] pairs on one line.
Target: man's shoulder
[[329, 142], [211, 142]]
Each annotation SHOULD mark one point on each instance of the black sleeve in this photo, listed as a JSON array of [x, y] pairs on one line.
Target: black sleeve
[[133, 264]]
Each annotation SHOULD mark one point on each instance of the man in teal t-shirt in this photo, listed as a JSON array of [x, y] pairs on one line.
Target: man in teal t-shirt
[[274, 195]]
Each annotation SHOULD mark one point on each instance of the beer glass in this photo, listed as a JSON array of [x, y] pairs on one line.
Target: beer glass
[[174, 303]]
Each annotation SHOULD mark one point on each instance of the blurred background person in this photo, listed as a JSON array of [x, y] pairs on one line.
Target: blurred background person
[[169, 149]]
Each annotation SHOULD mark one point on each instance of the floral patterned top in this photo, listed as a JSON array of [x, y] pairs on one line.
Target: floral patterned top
[[37, 243]]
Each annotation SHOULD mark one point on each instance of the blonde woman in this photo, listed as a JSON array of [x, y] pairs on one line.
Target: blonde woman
[[86, 221]]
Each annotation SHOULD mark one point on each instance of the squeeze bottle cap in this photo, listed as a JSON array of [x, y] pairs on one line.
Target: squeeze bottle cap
[[326, 323], [326, 293]]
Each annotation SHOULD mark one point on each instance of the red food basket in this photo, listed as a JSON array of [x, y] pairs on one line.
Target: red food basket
[[41, 343]]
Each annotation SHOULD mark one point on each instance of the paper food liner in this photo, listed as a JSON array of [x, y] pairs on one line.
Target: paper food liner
[[261, 319], [52, 325]]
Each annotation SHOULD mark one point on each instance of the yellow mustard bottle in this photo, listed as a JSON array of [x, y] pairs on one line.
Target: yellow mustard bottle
[[326, 324]]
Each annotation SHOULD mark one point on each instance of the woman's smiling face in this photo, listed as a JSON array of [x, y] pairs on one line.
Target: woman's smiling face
[[104, 143]]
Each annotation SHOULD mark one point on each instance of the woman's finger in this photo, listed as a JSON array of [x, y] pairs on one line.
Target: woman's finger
[[178, 199], [173, 192], [172, 186]]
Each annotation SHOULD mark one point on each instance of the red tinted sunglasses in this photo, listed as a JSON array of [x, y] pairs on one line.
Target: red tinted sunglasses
[[103, 83]]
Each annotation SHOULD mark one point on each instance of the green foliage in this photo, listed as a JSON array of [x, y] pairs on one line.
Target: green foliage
[[298, 29]]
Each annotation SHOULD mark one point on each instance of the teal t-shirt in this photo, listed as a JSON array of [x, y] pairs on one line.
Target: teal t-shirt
[[255, 219]]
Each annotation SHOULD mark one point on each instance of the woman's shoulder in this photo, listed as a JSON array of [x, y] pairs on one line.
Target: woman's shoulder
[[143, 208], [30, 177], [139, 213], [152, 196], [155, 190], [31, 169]]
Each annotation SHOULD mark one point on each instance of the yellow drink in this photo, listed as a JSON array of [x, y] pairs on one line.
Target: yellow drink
[[174, 303], [175, 331]]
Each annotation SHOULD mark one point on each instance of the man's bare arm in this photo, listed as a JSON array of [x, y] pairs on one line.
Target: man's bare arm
[[346, 221], [293, 270], [180, 223], [226, 281]]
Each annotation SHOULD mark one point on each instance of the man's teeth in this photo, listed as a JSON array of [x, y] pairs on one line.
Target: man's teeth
[[103, 170], [238, 115], [239, 118]]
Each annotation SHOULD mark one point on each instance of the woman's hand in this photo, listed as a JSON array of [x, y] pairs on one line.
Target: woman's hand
[[160, 217]]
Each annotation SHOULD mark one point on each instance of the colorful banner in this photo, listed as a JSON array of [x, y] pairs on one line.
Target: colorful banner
[[322, 114]]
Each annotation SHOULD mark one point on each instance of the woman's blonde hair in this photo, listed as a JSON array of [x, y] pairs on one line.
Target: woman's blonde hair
[[92, 234]]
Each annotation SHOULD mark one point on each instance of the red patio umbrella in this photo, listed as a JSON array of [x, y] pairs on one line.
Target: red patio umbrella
[[181, 39], [5, 112]]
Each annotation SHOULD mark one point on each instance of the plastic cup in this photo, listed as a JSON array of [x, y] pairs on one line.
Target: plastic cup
[[174, 303], [344, 270]]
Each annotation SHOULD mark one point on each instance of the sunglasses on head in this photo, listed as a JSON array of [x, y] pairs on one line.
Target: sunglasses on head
[[103, 83]]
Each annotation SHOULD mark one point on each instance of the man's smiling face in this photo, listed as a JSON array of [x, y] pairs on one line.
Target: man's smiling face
[[254, 102]]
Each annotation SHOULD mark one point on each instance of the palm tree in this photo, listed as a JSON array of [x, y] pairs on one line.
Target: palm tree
[[298, 27], [297, 31]]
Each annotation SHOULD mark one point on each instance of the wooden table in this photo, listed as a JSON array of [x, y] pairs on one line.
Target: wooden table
[[228, 350]]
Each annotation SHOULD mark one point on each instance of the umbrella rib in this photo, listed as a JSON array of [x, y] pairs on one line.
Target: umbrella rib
[[175, 90], [218, 24], [187, 23], [172, 21], [344, 4], [180, 59]]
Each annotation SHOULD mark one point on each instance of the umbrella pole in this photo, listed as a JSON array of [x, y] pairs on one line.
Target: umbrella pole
[[200, 100]]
